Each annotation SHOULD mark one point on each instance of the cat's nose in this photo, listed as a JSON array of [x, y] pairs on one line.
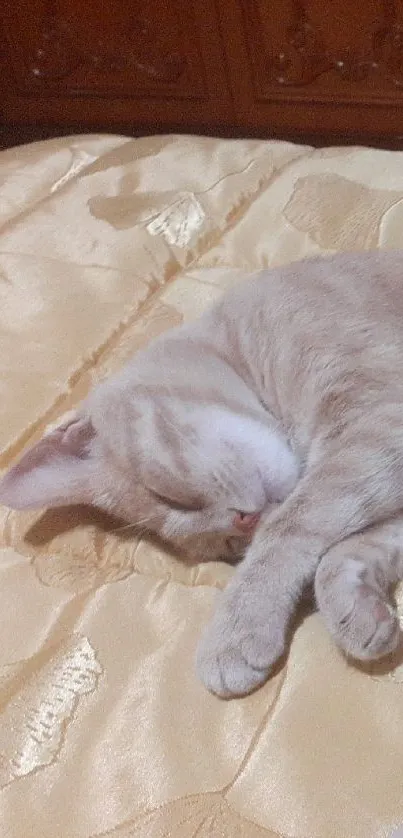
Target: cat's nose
[[246, 521]]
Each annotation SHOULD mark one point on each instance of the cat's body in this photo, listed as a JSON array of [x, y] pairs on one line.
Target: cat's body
[[284, 402]]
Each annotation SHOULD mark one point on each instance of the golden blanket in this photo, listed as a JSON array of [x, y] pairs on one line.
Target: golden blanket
[[104, 727]]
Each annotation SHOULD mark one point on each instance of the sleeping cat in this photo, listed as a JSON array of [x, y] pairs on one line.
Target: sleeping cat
[[278, 416]]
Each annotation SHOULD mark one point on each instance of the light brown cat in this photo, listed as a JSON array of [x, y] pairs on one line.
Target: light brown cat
[[278, 414]]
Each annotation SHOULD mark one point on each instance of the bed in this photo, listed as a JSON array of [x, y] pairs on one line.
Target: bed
[[104, 727]]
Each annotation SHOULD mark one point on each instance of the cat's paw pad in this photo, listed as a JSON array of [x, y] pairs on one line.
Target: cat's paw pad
[[235, 656], [371, 627], [360, 618]]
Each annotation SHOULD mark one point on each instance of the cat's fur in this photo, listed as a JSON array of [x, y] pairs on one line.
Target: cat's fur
[[285, 400]]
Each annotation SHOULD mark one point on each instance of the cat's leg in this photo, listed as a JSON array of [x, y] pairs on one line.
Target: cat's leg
[[352, 587], [346, 488]]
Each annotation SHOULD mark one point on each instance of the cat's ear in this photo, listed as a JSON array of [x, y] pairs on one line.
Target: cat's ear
[[55, 472]]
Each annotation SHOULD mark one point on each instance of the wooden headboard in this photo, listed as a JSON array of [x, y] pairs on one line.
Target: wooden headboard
[[308, 70]]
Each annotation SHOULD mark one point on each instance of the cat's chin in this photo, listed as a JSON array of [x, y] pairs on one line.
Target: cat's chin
[[210, 547]]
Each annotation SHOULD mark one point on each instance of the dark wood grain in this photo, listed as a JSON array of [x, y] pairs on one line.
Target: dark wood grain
[[331, 69], [301, 69]]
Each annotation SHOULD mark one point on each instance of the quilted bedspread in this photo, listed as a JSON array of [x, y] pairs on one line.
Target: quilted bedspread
[[104, 727]]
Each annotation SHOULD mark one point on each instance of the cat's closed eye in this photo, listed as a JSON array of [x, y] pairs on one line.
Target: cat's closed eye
[[174, 504]]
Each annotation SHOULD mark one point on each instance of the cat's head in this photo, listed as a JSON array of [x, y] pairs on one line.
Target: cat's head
[[170, 465]]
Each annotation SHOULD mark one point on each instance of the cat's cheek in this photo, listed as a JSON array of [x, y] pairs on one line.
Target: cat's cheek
[[179, 526]]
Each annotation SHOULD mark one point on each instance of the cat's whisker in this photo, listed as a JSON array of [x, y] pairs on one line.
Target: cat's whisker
[[122, 528], [140, 525]]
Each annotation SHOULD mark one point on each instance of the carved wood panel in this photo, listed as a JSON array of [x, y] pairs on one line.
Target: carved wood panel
[[343, 49], [146, 52], [123, 46], [310, 68]]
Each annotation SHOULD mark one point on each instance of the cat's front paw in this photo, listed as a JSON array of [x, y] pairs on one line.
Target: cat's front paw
[[236, 653], [357, 611]]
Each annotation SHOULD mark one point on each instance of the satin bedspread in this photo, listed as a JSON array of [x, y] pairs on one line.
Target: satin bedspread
[[104, 727]]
